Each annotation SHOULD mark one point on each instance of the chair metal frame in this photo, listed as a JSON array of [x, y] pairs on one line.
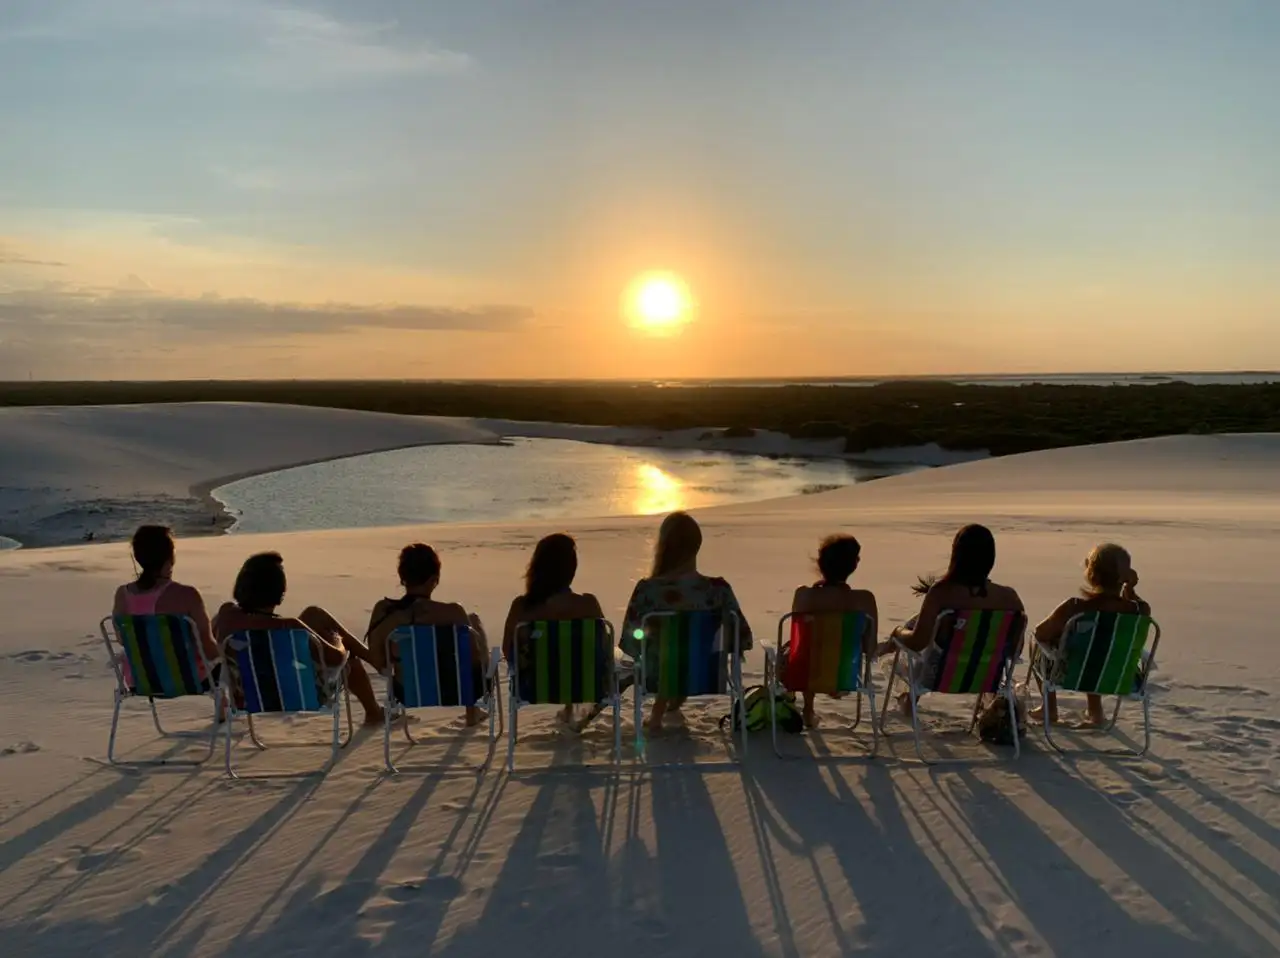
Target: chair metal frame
[[915, 660], [612, 701], [394, 710], [1042, 653], [866, 685], [334, 678], [124, 694], [733, 685]]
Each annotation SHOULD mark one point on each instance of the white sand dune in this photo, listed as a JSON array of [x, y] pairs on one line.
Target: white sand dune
[[103, 469], [1175, 855]]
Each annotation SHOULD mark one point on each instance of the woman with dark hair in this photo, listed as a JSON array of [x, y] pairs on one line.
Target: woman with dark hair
[[965, 585], [258, 592], [676, 585], [548, 593], [154, 592], [1110, 584], [419, 572], [838, 558]]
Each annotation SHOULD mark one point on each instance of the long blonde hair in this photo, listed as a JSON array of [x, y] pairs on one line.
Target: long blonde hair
[[679, 539], [1105, 569]]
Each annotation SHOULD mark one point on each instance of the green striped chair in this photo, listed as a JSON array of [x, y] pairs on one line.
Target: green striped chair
[[824, 657], [563, 662], [1101, 653], [687, 654], [976, 654], [282, 672], [157, 657], [432, 666]]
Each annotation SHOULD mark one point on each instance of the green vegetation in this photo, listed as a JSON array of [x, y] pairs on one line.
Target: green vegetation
[[1002, 419]]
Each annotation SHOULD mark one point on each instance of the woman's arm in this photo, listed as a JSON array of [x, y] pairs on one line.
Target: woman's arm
[[204, 628], [871, 637], [633, 618], [117, 603], [1049, 632], [918, 637], [730, 605]]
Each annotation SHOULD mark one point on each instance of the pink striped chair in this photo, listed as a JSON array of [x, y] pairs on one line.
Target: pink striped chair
[[975, 653]]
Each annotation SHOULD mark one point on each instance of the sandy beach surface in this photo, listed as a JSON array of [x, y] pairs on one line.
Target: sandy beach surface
[[1176, 855]]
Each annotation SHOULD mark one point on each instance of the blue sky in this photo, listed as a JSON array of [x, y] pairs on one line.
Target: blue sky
[[465, 188]]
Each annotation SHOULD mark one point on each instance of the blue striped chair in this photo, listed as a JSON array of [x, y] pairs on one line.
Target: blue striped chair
[[158, 657], [282, 672], [432, 666]]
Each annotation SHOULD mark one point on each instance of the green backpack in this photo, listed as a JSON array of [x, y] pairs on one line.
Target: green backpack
[[756, 705]]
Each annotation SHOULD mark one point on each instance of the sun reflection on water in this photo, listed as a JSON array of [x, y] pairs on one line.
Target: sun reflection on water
[[657, 491]]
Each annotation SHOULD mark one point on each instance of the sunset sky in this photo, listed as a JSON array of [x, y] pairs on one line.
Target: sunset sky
[[420, 188]]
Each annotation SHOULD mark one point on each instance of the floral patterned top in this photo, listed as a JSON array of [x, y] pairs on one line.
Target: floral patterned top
[[693, 592]]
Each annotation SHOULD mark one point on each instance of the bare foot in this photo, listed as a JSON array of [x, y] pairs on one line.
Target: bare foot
[[653, 729], [566, 715], [475, 716], [810, 720], [1091, 721], [1037, 715], [904, 705], [377, 718]]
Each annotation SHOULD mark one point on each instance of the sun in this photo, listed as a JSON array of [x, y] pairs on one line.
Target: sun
[[658, 303]]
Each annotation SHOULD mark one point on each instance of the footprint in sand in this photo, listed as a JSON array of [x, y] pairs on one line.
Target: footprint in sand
[[20, 748]]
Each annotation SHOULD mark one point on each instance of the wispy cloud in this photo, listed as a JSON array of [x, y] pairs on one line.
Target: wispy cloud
[[11, 257], [287, 45], [56, 310]]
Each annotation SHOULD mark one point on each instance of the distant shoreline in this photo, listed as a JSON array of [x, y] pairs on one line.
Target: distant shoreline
[[994, 419]]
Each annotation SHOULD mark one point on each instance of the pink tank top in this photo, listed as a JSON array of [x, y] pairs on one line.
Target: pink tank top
[[144, 603]]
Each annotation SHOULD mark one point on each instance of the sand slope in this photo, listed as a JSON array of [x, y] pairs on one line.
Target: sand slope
[[72, 469], [1176, 855]]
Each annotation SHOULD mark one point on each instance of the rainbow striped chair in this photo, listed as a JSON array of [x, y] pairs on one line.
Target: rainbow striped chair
[[282, 672], [433, 667], [977, 653], [825, 656], [563, 662], [157, 657], [686, 654], [1101, 653]]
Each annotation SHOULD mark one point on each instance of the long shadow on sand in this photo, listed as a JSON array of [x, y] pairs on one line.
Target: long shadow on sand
[[153, 925], [560, 884]]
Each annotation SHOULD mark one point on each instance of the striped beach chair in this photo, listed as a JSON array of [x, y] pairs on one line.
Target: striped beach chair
[[687, 654], [563, 662], [824, 656], [281, 672], [432, 666], [977, 653], [157, 657], [1101, 653]]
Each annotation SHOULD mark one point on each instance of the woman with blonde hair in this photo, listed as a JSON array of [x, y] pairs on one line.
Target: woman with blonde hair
[[675, 585], [1109, 584]]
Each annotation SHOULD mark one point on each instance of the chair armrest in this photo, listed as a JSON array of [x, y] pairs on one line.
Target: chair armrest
[[897, 642]]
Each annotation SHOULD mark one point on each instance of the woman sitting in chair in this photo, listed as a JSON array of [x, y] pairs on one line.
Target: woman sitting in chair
[[259, 590], [548, 594], [154, 592], [419, 571], [838, 557], [676, 585], [1110, 581], [966, 586]]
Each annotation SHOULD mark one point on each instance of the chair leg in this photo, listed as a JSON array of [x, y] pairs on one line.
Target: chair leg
[[337, 739], [386, 737], [888, 689], [155, 717], [617, 726], [513, 729], [857, 712], [230, 771], [973, 721], [915, 719], [875, 733], [1146, 722], [1115, 715], [1010, 696], [1046, 689], [637, 696], [115, 723], [351, 726]]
